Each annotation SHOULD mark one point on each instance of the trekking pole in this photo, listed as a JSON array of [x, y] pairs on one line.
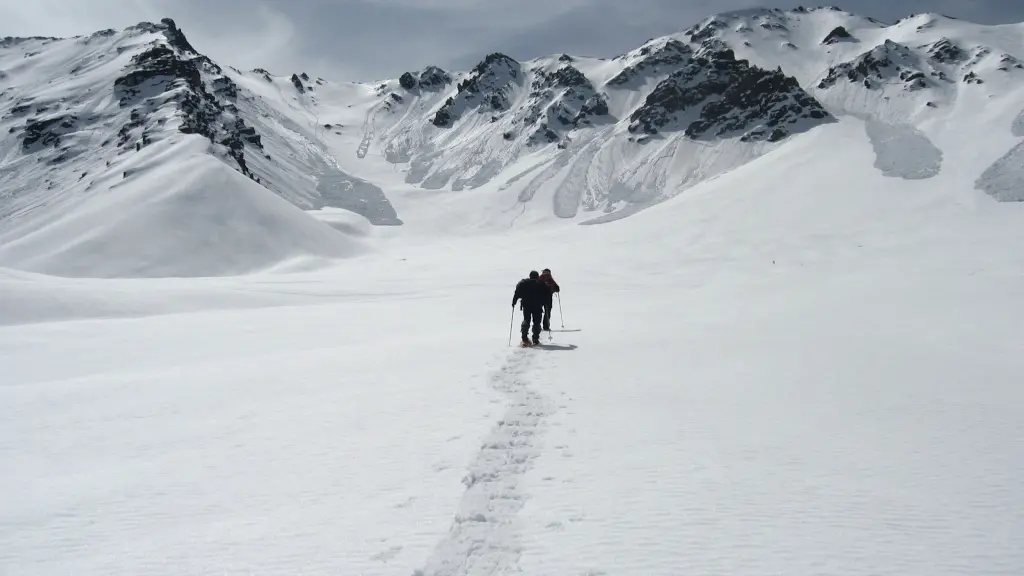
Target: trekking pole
[[560, 319], [511, 323]]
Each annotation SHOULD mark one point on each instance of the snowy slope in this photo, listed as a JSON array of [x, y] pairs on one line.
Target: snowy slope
[[125, 154]]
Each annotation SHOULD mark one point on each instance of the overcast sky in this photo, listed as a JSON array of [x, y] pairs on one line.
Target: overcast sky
[[373, 39]]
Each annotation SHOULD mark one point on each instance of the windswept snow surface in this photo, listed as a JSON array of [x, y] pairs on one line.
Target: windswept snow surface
[[800, 367]]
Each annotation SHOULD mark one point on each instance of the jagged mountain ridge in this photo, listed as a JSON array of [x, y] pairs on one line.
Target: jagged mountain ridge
[[126, 90], [815, 64], [596, 135]]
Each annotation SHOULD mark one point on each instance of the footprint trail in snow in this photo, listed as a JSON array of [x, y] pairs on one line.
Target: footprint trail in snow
[[483, 538]]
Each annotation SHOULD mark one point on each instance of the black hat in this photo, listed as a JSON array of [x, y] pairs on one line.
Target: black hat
[[533, 274]]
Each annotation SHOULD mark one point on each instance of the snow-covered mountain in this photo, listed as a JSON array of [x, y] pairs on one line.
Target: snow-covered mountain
[[92, 125]]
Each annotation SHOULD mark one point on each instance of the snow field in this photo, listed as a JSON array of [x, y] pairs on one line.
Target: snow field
[[801, 366]]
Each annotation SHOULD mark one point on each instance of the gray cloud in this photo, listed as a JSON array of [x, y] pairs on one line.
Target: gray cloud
[[373, 39]]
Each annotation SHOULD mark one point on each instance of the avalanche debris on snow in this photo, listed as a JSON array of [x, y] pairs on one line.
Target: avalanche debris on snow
[[902, 151], [1004, 179]]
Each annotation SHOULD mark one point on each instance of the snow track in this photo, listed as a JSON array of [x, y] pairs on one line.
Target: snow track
[[483, 538], [368, 134]]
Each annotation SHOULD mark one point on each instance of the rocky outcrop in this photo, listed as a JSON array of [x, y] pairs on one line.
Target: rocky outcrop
[[837, 35], [433, 78], [560, 101], [890, 62], [658, 58], [47, 132], [174, 71], [488, 87], [430, 78], [715, 94], [1008, 62], [946, 52]]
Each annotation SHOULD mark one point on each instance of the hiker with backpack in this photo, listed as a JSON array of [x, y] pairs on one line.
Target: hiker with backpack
[[533, 295], [553, 287]]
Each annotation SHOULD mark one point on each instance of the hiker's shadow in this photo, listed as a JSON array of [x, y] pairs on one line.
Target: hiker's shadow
[[555, 347]]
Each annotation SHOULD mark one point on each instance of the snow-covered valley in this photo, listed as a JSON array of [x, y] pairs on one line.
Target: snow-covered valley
[[797, 357]]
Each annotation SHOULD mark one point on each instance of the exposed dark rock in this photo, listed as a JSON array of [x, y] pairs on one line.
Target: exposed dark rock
[[134, 122], [973, 78], [946, 52], [433, 77], [443, 118], [8, 41], [396, 98], [878, 65], [703, 32], [298, 84], [565, 77], [224, 86], [565, 58], [430, 78], [18, 110], [488, 85], [47, 132], [727, 96], [175, 72], [837, 35], [768, 25], [1006, 62], [159, 62], [670, 55], [264, 73], [176, 37], [597, 105]]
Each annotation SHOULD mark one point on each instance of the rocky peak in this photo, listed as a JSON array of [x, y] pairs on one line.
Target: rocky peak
[[176, 38], [174, 71], [496, 63], [654, 58], [560, 101], [430, 78], [488, 87], [433, 78], [837, 35], [721, 96], [890, 62]]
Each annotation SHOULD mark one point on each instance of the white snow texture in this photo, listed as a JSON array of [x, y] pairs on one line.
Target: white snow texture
[[259, 324]]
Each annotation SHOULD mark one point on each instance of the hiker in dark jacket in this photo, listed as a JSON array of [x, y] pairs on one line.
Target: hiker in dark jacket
[[533, 293], [553, 287]]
